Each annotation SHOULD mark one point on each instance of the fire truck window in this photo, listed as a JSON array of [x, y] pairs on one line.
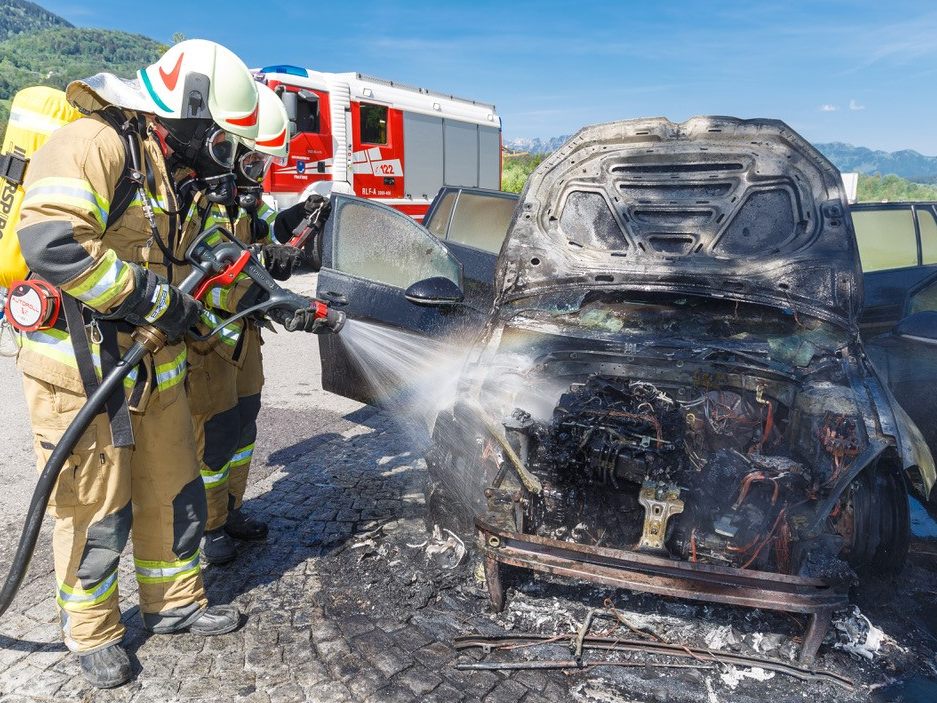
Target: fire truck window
[[373, 124], [303, 114], [481, 221], [364, 233], [307, 117]]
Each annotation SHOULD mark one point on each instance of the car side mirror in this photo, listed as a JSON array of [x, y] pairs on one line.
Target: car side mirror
[[437, 290], [920, 327]]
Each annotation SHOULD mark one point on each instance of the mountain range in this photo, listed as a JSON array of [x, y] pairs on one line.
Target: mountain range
[[907, 163], [21, 17]]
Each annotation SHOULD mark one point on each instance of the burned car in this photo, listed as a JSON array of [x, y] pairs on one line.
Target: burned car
[[669, 393]]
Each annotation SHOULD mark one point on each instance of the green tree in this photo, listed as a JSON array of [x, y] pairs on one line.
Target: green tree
[[517, 169]]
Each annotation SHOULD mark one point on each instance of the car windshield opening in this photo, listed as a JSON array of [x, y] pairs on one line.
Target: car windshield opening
[[672, 318]]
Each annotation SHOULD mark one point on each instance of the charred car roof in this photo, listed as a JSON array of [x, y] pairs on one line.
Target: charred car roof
[[743, 209]]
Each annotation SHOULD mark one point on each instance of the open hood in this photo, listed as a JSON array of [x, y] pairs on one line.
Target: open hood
[[742, 209]]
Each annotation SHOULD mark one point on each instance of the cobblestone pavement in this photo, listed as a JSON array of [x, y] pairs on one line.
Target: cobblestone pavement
[[298, 641]]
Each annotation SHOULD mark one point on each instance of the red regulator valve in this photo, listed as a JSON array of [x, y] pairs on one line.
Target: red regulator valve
[[32, 305]]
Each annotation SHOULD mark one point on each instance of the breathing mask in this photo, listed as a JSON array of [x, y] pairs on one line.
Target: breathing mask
[[208, 150], [250, 171]]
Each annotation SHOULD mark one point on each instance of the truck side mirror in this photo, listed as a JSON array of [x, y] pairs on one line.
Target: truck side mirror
[[290, 102], [437, 291], [308, 96], [920, 327]]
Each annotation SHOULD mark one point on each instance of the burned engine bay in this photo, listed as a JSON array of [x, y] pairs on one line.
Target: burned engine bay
[[670, 429], [723, 475], [663, 447]]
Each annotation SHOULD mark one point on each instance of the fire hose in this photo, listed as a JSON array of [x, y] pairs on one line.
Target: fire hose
[[212, 264]]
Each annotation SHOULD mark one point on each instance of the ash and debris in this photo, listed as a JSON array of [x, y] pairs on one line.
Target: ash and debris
[[402, 569]]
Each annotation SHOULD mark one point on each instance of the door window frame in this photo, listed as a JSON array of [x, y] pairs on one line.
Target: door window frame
[[330, 238], [458, 190]]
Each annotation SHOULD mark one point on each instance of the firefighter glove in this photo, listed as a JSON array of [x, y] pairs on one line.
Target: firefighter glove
[[315, 210], [300, 320], [156, 303], [279, 260]]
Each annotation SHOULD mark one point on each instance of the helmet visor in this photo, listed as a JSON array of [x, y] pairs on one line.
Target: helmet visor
[[222, 148], [253, 165]]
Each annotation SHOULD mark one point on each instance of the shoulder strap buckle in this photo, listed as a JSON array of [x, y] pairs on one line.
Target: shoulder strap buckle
[[13, 167]]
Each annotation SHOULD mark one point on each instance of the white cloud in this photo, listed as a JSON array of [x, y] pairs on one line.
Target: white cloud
[[855, 106], [828, 108]]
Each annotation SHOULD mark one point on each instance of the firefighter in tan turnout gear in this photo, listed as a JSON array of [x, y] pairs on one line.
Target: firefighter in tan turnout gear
[[226, 374], [109, 251]]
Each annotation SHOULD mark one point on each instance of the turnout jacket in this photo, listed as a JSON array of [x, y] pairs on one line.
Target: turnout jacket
[[63, 233]]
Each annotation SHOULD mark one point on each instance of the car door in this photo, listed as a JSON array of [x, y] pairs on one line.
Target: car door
[[898, 248], [908, 364], [472, 223], [371, 254]]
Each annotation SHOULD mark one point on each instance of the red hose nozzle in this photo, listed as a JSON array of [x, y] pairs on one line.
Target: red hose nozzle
[[334, 319]]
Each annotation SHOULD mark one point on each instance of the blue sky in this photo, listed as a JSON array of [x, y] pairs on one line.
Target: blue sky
[[863, 72]]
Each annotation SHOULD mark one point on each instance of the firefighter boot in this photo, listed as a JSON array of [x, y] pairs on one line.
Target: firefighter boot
[[244, 528], [106, 668], [207, 621], [218, 547]]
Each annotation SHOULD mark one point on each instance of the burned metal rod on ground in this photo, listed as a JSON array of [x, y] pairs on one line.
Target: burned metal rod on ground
[[662, 649], [569, 664]]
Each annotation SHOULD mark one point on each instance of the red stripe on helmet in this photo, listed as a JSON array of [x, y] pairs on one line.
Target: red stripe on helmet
[[171, 78], [248, 121], [278, 140]]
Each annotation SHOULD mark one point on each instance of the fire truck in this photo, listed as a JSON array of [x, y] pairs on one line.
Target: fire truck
[[380, 140]]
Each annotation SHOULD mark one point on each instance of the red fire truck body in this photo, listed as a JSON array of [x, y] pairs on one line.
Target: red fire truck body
[[380, 140]]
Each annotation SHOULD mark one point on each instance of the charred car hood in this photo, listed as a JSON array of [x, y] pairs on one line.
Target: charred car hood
[[742, 209]]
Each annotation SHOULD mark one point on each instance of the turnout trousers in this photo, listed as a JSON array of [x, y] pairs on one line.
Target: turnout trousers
[[225, 397], [103, 495]]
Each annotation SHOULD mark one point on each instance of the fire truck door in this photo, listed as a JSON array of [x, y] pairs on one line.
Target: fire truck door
[[377, 161]]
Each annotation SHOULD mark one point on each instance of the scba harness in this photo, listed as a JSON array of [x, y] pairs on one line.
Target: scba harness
[[33, 304]]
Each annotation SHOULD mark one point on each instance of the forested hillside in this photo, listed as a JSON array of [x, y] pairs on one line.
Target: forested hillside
[[43, 49], [893, 188], [21, 17]]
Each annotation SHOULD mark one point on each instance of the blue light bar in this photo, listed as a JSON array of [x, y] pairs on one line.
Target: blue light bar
[[287, 69]]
